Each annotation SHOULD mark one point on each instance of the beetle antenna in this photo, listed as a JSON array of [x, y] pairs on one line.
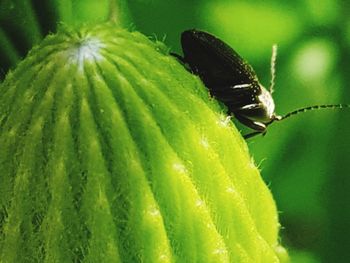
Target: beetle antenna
[[315, 107], [273, 68]]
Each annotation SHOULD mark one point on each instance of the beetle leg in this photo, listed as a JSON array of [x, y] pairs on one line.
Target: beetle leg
[[259, 127], [242, 86], [252, 134], [250, 107], [182, 61], [180, 58], [255, 125]]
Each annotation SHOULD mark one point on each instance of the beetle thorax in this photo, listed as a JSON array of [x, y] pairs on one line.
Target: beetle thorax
[[267, 103]]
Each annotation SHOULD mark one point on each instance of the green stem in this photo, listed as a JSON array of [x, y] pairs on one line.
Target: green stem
[[119, 13], [93, 12], [8, 53]]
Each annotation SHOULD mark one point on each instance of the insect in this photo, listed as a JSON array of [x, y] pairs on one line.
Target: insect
[[233, 81]]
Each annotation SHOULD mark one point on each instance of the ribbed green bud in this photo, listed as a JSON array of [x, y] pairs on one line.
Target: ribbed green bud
[[112, 152]]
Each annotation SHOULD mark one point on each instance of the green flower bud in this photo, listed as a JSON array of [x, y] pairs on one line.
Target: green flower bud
[[112, 152]]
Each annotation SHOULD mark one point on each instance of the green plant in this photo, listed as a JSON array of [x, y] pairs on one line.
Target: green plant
[[112, 152]]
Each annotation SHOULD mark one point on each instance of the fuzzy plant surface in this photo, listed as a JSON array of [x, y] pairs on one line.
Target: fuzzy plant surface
[[112, 152]]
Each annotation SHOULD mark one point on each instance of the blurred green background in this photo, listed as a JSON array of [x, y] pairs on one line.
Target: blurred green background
[[304, 160]]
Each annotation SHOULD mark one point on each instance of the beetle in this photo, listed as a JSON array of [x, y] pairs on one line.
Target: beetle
[[233, 81]]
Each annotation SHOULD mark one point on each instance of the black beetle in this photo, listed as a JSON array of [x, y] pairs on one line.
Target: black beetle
[[233, 81]]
